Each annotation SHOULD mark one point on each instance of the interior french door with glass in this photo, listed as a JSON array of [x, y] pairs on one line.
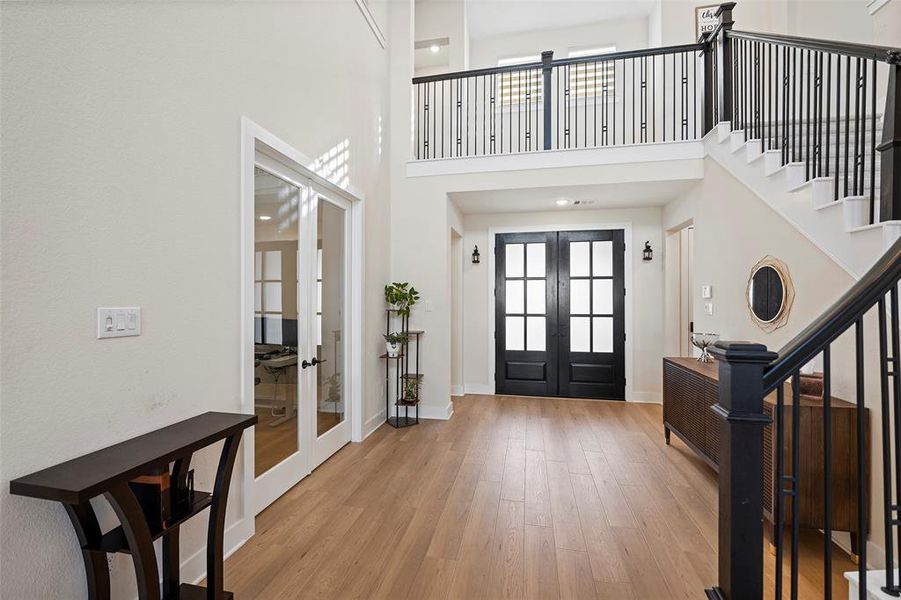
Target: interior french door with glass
[[559, 314], [300, 268]]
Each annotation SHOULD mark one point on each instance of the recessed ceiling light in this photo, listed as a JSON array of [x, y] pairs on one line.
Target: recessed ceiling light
[[562, 202], [434, 48], [264, 217]]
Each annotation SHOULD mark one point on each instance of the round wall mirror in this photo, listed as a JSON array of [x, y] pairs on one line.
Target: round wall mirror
[[770, 293]]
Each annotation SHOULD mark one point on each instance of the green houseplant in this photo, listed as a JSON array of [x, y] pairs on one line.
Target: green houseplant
[[402, 296], [411, 390], [393, 342]]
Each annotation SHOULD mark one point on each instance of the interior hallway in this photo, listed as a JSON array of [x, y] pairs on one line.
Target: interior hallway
[[512, 498]]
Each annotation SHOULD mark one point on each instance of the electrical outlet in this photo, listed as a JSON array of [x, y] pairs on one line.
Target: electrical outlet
[[708, 308]]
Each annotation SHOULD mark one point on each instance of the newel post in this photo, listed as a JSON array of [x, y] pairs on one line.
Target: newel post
[[709, 97], [547, 102], [724, 72], [740, 409], [890, 148]]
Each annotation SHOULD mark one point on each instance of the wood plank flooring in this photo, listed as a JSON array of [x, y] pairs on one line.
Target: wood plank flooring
[[512, 498]]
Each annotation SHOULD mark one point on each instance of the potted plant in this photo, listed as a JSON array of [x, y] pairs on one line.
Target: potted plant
[[402, 296], [393, 342], [411, 390]]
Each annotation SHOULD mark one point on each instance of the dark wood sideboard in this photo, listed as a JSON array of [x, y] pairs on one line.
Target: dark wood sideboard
[[690, 389]]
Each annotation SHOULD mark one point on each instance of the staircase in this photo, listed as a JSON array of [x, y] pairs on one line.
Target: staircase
[[836, 221]]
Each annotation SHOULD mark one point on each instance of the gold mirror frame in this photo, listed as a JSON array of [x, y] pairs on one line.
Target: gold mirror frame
[[788, 293]]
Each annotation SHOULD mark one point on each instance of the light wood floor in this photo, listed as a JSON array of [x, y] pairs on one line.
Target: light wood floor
[[512, 498]]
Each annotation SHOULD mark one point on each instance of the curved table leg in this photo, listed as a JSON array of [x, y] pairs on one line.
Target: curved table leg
[[84, 521], [216, 532], [140, 542], [170, 565]]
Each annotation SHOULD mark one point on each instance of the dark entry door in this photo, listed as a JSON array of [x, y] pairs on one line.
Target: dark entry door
[[559, 314]]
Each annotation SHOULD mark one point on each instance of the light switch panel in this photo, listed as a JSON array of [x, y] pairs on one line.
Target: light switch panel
[[706, 291], [118, 322], [708, 308]]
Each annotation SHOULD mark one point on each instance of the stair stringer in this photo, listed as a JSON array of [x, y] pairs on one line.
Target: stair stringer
[[830, 226]]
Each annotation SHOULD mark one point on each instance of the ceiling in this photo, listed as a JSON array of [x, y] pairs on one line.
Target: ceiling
[[589, 197], [486, 18]]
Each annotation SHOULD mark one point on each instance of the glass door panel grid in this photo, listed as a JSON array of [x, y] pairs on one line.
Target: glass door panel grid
[[591, 296], [526, 293]]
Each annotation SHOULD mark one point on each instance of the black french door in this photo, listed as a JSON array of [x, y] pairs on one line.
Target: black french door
[[559, 314]]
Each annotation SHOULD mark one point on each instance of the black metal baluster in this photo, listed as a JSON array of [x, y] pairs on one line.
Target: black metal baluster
[[861, 461], [585, 104], [856, 181], [847, 120], [558, 107], [886, 446], [873, 147], [807, 78], [795, 103], [674, 98], [466, 83], [632, 62], [418, 122], [493, 119], [654, 99], [828, 110], [778, 488], [785, 113], [694, 87], [827, 472], [663, 106], [896, 410], [796, 482], [594, 99]]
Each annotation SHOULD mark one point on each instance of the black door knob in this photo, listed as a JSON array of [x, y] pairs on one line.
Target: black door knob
[[311, 363]]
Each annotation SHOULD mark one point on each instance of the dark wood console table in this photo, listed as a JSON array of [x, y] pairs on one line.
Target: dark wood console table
[[690, 388], [107, 472]]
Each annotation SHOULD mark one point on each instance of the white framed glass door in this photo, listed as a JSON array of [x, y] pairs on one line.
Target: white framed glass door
[[301, 314], [329, 424]]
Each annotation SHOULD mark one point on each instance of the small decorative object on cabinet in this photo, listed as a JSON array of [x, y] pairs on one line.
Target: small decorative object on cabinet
[[151, 502], [703, 341], [404, 362], [690, 389]]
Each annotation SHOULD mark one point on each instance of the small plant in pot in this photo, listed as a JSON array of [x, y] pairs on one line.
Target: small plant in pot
[[402, 296], [411, 390], [393, 342]]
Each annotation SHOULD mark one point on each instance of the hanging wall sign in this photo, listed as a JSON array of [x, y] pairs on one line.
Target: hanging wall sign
[[705, 19]]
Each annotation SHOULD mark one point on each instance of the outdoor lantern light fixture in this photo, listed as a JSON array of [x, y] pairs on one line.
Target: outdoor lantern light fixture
[[475, 256], [648, 253]]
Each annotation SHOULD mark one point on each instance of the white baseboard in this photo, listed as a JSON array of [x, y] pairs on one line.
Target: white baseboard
[[645, 397], [427, 411], [194, 567], [478, 388], [457, 390], [373, 423]]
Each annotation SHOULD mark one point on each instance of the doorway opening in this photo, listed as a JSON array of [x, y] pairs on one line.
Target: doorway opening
[[679, 291], [560, 314]]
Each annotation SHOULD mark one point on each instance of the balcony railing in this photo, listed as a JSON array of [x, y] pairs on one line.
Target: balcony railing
[[615, 99]]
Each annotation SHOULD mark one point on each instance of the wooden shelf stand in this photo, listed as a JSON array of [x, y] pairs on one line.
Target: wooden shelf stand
[[107, 473]]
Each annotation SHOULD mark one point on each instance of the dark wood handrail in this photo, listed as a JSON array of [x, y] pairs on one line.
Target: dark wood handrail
[[560, 62], [881, 53], [860, 298]]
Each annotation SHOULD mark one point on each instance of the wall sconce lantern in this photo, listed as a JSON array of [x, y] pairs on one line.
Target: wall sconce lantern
[[648, 253], [475, 256]]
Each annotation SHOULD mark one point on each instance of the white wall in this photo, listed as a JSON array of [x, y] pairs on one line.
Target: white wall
[[644, 349], [625, 34], [120, 186]]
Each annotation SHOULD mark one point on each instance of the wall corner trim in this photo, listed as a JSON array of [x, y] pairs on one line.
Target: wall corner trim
[[373, 24]]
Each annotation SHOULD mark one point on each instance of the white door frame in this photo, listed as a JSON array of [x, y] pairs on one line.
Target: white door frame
[[261, 146], [627, 308]]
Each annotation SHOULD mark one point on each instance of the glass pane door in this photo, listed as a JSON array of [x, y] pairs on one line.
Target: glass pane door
[[276, 275], [330, 317]]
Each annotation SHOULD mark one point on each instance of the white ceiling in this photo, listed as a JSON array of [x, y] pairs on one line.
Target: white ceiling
[[487, 18], [593, 197]]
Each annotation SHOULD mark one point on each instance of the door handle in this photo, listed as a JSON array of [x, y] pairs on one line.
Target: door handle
[[312, 363]]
